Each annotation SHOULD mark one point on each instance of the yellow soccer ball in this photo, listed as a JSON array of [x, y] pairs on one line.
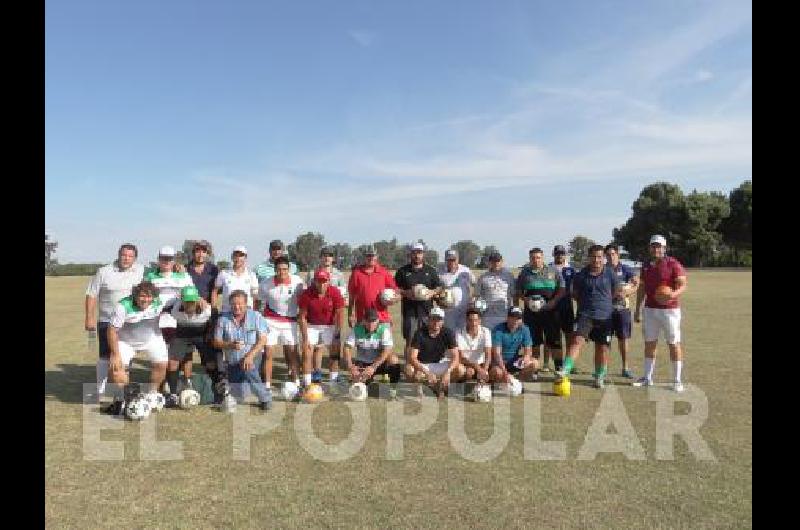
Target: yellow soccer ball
[[313, 393], [561, 387]]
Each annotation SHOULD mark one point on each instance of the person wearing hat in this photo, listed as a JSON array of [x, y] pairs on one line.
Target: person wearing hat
[[191, 314], [541, 283], [169, 284], [621, 317], [496, 286], [110, 284], [364, 287], [661, 312], [512, 348], [460, 279], [414, 311], [595, 288], [203, 272], [237, 278], [266, 269], [368, 350], [320, 319], [566, 312], [434, 354]]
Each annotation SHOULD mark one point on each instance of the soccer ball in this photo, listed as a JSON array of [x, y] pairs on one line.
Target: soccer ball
[[289, 390], [189, 398], [481, 305], [137, 409], [514, 387], [562, 387], [447, 298], [358, 392], [228, 404], [388, 296], [662, 293], [156, 401], [313, 393], [421, 292], [482, 393], [535, 303]]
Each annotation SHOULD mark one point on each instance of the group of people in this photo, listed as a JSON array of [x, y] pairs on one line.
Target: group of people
[[493, 329]]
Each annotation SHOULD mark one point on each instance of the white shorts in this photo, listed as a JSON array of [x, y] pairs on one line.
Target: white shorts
[[656, 320], [437, 369], [155, 348], [279, 332], [320, 335]]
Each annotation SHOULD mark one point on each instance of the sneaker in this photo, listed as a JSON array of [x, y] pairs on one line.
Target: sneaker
[[265, 405], [546, 369], [643, 381], [677, 386], [392, 394], [116, 408], [172, 401], [316, 376], [627, 373], [599, 382]]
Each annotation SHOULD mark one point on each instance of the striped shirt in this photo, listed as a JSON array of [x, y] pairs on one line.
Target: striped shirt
[[266, 270], [228, 330], [136, 326], [169, 284], [111, 284]]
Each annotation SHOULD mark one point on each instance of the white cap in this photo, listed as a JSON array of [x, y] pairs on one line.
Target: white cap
[[240, 248], [437, 312], [661, 240], [418, 246], [167, 251]]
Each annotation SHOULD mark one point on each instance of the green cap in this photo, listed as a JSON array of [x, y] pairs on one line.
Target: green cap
[[190, 294]]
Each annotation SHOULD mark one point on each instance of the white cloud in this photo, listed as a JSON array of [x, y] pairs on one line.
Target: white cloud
[[701, 76], [362, 37]]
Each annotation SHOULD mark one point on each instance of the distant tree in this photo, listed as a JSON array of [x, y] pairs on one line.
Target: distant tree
[[391, 254], [468, 252], [305, 250], [483, 262], [578, 249], [702, 240], [224, 264], [737, 229], [49, 254], [343, 255]]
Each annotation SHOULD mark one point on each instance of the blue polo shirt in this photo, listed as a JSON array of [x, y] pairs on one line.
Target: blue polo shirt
[[595, 293], [623, 272], [205, 280], [229, 330], [511, 341]]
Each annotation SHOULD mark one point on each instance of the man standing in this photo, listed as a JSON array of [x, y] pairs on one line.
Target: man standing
[[320, 318], [541, 289], [496, 287], [461, 280], [594, 288], [368, 350], [242, 334], [280, 294], [414, 310], [512, 345], [366, 282], [266, 269], [109, 285], [237, 278], [434, 354], [566, 313], [203, 272], [169, 284], [621, 317], [661, 311]]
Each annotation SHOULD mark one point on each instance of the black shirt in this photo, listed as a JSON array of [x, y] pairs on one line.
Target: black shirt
[[431, 349], [205, 280], [407, 277]]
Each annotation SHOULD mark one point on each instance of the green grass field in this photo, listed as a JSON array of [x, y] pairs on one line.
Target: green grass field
[[282, 485]]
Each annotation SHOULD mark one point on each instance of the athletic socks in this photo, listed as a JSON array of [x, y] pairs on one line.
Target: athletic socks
[[172, 381], [569, 363], [334, 376], [677, 366], [649, 364], [601, 371], [306, 379]]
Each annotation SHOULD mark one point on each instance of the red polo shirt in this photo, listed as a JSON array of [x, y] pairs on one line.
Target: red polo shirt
[[662, 273], [365, 288], [320, 309]]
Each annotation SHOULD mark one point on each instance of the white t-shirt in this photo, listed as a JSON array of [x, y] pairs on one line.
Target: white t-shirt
[[280, 300], [136, 327], [497, 288], [461, 278], [110, 285], [471, 348], [231, 281]]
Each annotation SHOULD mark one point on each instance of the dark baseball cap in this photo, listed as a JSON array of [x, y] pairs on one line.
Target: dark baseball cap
[[495, 256], [372, 315], [370, 251], [326, 251], [515, 311], [559, 249], [276, 244]]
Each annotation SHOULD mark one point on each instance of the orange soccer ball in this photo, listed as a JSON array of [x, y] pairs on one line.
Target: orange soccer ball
[[663, 293], [313, 393]]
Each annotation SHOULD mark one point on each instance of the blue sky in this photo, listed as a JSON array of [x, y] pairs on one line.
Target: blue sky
[[513, 123]]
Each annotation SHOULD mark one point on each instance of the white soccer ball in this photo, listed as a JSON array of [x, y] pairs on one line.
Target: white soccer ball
[[421, 292], [156, 401], [189, 398], [358, 391], [388, 296], [289, 390], [447, 298], [515, 387], [481, 305], [535, 303], [482, 393], [137, 409]]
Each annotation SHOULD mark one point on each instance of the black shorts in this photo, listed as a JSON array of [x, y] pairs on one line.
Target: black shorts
[[566, 317], [410, 325], [598, 331], [510, 367], [544, 328], [622, 323], [102, 339]]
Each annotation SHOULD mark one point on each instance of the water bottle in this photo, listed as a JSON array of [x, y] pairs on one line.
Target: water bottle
[[92, 340]]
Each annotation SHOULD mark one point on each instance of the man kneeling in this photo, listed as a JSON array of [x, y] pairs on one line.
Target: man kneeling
[[434, 355], [372, 341]]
